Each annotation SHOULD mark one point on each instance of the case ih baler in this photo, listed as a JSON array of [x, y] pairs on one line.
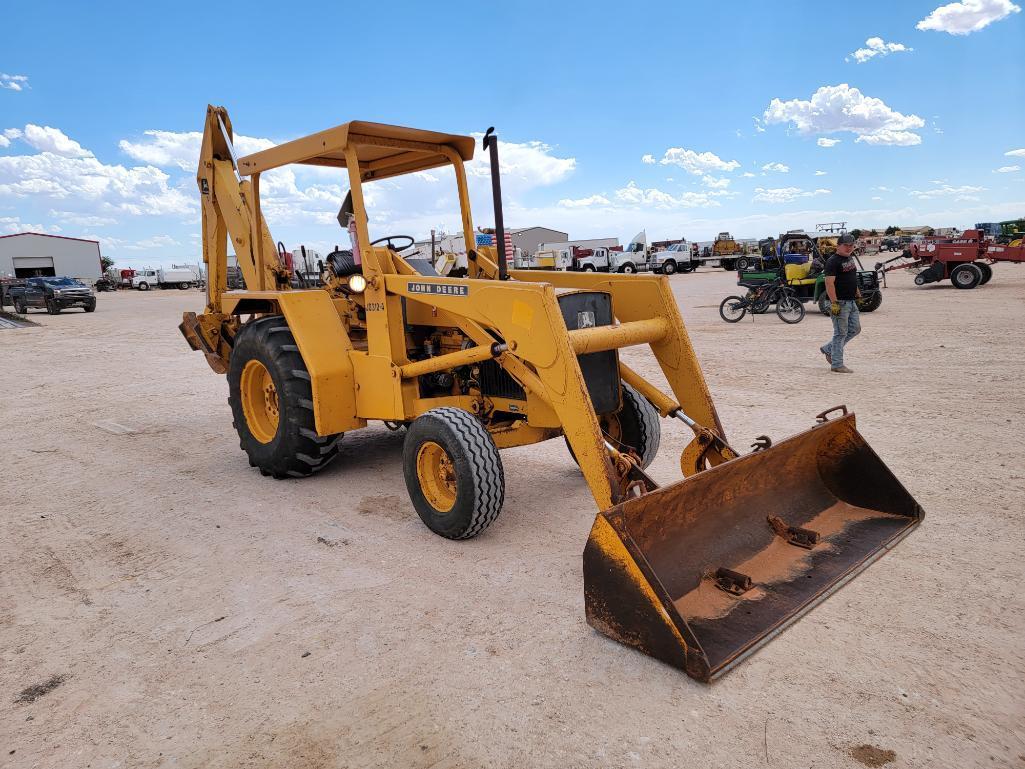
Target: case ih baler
[[965, 260]]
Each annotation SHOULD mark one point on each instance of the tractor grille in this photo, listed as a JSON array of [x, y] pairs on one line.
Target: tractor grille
[[495, 381]]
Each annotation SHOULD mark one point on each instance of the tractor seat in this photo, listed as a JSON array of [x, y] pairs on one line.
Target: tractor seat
[[803, 282]]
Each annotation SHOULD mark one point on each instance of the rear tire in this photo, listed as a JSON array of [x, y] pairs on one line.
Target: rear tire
[[987, 272], [966, 276], [920, 279], [184, 286], [453, 473], [271, 401], [732, 309]]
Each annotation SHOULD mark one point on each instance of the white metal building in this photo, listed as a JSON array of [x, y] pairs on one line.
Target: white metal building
[[31, 254]]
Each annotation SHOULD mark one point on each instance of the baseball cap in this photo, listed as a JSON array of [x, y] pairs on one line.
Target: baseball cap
[[846, 240]]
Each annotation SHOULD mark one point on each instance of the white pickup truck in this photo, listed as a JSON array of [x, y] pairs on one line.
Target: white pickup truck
[[144, 280], [674, 258], [614, 259]]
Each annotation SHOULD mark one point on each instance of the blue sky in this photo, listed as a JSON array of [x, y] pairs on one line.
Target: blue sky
[[684, 119]]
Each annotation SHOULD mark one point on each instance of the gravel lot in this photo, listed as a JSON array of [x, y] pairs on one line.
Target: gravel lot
[[173, 608]]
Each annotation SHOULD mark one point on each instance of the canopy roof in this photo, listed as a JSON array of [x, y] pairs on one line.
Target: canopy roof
[[383, 150]]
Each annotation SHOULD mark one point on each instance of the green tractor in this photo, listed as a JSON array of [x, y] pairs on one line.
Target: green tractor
[[797, 254]]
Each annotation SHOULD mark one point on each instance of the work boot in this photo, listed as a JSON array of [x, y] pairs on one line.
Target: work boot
[[829, 358], [842, 370]]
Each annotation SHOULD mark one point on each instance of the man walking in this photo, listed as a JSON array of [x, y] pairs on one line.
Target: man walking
[[842, 289]]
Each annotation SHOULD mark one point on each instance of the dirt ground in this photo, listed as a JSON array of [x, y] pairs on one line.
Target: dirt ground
[[162, 604]]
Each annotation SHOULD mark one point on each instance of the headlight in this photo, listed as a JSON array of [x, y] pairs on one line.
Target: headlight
[[357, 283], [57, 292]]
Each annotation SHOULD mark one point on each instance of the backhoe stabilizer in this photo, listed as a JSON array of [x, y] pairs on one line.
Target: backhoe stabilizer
[[701, 573]]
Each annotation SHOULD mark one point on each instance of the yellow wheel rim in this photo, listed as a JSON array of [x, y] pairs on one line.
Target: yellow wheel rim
[[259, 401], [437, 476]]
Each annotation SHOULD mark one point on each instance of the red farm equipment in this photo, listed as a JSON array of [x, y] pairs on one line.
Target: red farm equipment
[[966, 260]]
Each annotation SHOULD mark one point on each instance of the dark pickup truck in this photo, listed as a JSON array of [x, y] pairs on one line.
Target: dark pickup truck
[[52, 294]]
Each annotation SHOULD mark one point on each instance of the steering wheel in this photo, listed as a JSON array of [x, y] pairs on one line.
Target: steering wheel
[[389, 240]]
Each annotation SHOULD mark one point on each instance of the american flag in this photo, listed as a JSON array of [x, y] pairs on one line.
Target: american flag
[[483, 239]]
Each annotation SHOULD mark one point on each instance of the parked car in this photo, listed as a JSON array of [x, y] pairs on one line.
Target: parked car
[[52, 294]]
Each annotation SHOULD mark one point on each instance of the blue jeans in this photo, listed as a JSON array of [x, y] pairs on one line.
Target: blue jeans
[[846, 326]]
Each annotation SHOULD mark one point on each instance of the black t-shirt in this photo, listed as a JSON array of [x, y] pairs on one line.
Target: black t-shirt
[[845, 270]]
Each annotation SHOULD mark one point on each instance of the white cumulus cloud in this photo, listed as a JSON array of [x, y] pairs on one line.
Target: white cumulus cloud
[[715, 182], [779, 168], [967, 16], [822, 141], [13, 82], [785, 194], [962, 192], [47, 139], [648, 158], [876, 46], [820, 173], [1015, 153], [633, 195], [180, 149], [697, 163], [1007, 169], [593, 200], [835, 108]]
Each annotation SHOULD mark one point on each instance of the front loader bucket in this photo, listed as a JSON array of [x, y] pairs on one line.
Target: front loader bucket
[[701, 573]]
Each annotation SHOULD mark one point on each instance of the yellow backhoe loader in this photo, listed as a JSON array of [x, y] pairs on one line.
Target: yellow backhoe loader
[[697, 573]]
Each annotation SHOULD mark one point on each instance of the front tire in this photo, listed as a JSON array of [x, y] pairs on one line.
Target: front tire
[[743, 263], [52, 307], [453, 473], [636, 426], [669, 267], [89, 307], [732, 309], [789, 309], [20, 308], [628, 268], [143, 286], [966, 276], [588, 268], [271, 400]]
